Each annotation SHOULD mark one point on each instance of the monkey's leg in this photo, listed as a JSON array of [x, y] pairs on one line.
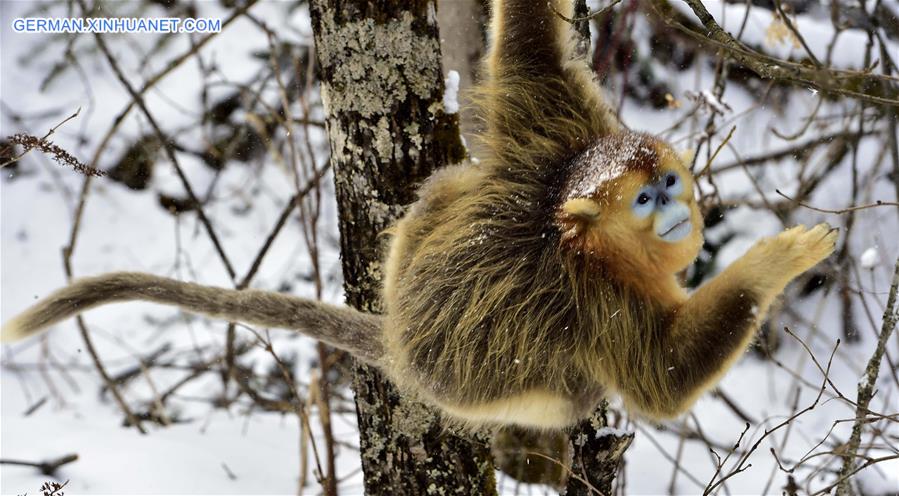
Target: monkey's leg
[[709, 331]]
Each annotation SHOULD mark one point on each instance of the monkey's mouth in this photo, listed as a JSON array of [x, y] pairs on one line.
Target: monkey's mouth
[[678, 231]]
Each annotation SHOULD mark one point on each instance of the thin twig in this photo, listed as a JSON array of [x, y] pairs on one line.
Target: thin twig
[[721, 395], [587, 17], [49, 133], [228, 472], [116, 394], [299, 405], [721, 463], [721, 145], [878, 203], [786, 20], [282, 219], [800, 149], [59, 154]]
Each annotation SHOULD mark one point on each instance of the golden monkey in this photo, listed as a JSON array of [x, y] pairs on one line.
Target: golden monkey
[[525, 288]]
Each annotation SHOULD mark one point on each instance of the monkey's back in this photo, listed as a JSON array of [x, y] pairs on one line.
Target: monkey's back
[[480, 305]]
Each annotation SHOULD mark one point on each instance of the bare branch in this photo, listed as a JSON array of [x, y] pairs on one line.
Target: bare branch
[[47, 467], [866, 387], [823, 78]]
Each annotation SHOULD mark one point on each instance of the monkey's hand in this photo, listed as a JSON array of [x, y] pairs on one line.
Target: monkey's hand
[[779, 259]]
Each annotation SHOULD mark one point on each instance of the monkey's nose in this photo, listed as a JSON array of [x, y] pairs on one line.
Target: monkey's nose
[[663, 199]]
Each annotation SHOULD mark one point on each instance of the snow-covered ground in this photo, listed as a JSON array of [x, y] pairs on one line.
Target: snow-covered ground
[[242, 451]]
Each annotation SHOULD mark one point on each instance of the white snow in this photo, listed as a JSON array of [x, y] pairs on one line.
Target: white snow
[[714, 102], [124, 230], [611, 431], [870, 258], [451, 92]]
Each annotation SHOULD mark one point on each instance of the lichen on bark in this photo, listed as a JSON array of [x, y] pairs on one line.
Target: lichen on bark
[[374, 65]]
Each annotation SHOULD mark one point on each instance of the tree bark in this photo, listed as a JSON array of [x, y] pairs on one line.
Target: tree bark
[[596, 455], [382, 89]]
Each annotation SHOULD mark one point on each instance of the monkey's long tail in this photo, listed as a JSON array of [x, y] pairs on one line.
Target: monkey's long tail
[[356, 332]]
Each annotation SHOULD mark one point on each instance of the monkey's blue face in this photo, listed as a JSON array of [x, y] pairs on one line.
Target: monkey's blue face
[[662, 200]]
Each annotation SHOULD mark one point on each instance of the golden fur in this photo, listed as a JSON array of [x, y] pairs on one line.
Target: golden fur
[[506, 287], [523, 289]]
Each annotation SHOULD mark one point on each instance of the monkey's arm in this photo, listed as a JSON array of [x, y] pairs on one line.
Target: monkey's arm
[[707, 333], [344, 328], [540, 101]]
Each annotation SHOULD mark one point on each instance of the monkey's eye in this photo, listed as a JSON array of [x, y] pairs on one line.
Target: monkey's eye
[[673, 184], [670, 180], [643, 203]]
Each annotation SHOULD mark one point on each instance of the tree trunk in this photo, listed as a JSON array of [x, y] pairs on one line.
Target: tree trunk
[[596, 455], [382, 88]]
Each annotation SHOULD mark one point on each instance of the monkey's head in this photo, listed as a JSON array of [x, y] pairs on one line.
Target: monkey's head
[[629, 199]]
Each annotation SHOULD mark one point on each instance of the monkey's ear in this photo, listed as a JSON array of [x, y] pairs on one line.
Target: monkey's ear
[[575, 216], [686, 156], [583, 208]]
